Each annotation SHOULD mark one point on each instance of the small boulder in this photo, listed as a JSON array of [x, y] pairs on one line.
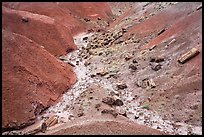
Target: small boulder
[[86, 63], [92, 75], [133, 67], [128, 57], [157, 59], [134, 61], [136, 117], [77, 62], [97, 106], [108, 100], [85, 38], [24, 19], [110, 111], [102, 72], [122, 112], [156, 67], [121, 86], [117, 101], [161, 31], [87, 20]]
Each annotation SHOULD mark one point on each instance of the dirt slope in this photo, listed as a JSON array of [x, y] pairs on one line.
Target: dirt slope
[[31, 73], [140, 49], [134, 57], [32, 79], [181, 22], [42, 29], [76, 17]]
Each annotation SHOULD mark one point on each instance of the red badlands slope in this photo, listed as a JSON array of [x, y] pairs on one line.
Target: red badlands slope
[[32, 76]]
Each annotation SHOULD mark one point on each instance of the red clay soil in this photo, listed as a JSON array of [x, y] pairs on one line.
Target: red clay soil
[[161, 20], [32, 79], [42, 29], [185, 24], [49, 9], [33, 34], [69, 14], [90, 10]]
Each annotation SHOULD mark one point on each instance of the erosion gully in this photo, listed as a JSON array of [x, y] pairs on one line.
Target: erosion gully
[[146, 117]]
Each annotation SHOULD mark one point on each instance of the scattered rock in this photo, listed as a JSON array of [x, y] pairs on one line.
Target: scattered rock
[[134, 61], [158, 127], [77, 62], [110, 111], [97, 106], [92, 75], [119, 41], [122, 112], [114, 75], [114, 93], [121, 86], [199, 7], [108, 100], [38, 108], [85, 38], [117, 101], [137, 41], [86, 56], [24, 19], [86, 63], [136, 117], [71, 117], [87, 20], [177, 96], [156, 67], [100, 53], [153, 47], [156, 59], [13, 133], [171, 42], [43, 127], [51, 121], [146, 106], [128, 57], [149, 99], [146, 83], [161, 31], [124, 30], [194, 107], [133, 67], [71, 64], [102, 72], [63, 58], [80, 114], [189, 55], [135, 97]]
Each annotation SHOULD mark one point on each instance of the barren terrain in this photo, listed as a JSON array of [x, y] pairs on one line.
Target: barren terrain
[[67, 59]]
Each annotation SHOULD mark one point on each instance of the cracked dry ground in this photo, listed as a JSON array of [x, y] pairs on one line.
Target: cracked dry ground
[[155, 89]]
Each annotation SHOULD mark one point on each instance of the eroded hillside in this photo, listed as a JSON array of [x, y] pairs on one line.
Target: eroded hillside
[[123, 51]]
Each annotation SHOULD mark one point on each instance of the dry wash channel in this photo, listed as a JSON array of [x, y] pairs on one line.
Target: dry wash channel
[[94, 72]]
